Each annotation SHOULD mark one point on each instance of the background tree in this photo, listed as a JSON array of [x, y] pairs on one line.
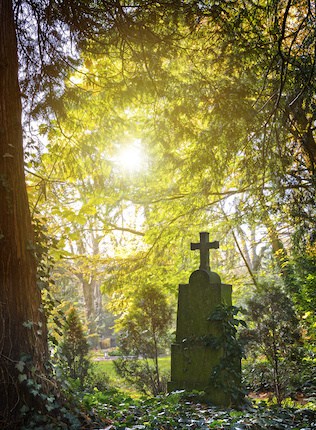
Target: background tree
[[144, 332]]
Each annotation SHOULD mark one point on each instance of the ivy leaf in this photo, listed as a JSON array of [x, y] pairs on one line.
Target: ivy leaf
[[28, 324], [22, 377], [20, 366]]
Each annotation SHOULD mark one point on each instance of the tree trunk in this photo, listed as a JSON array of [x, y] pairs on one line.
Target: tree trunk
[[302, 127], [91, 288], [22, 324]]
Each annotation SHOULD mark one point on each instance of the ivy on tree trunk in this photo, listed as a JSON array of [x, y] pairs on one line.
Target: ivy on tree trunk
[[22, 324]]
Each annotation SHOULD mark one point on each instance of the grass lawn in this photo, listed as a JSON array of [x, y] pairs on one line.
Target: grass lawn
[[106, 369], [107, 366]]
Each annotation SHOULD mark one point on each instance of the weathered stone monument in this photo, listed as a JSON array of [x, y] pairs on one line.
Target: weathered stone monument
[[198, 353]]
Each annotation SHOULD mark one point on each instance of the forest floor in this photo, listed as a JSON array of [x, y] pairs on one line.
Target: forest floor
[[174, 412], [121, 409]]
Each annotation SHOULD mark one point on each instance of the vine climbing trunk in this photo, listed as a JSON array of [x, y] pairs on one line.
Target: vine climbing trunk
[[22, 324]]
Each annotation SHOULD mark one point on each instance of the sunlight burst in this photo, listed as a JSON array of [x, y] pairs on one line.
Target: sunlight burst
[[131, 158]]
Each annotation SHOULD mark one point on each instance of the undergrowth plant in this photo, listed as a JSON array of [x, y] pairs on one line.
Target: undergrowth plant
[[144, 335], [74, 349], [274, 342]]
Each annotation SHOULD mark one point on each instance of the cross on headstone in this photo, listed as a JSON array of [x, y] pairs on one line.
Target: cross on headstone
[[204, 245]]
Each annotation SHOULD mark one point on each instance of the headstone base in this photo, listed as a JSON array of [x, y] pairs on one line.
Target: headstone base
[[191, 364]]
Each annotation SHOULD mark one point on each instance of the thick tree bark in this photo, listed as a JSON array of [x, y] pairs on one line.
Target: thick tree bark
[[22, 324], [303, 130]]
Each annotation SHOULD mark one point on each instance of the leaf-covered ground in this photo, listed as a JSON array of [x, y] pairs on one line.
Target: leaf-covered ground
[[175, 412]]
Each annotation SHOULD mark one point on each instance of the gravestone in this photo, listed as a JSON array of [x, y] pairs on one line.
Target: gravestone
[[194, 356]]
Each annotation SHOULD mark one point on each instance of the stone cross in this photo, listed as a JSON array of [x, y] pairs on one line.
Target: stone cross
[[204, 245], [197, 363]]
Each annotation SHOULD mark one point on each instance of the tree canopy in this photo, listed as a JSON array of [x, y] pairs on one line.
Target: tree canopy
[[217, 94]]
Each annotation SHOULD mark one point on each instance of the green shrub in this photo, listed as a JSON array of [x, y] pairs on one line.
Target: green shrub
[[97, 379], [144, 333], [74, 349], [274, 342]]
